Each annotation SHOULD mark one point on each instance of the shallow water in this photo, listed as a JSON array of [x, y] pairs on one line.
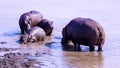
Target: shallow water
[[54, 55]]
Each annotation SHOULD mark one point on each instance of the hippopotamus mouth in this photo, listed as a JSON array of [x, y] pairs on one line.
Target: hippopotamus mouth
[[23, 41]]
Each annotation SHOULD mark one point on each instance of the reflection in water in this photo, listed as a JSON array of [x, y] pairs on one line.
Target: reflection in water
[[11, 33], [84, 59], [49, 55], [70, 58]]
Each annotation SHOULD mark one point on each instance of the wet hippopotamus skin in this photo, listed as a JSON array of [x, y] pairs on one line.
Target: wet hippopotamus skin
[[29, 19], [34, 34], [84, 31], [46, 25]]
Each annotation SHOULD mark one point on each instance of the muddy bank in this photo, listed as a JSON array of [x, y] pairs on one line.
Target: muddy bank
[[16, 60], [20, 60], [23, 59]]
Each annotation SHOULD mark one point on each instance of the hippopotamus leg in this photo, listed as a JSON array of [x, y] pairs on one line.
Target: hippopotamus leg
[[22, 30], [92, 47], [77, 47], [99, 48]]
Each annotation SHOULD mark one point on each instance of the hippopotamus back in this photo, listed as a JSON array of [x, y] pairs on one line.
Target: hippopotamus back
[[46, 25], [83, 31], [37, 32], [35, 17]]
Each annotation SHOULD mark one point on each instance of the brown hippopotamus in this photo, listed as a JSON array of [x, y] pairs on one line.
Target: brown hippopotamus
[[34, 34], [84, 31], [29, 19], [46, 25]]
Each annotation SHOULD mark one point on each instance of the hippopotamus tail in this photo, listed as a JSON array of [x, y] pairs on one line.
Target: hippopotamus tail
[[101, 36]]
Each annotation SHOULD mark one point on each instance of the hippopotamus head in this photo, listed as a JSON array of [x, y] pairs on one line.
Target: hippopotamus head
[[27, 38], [47, 26], [27, 23], [65, 38]]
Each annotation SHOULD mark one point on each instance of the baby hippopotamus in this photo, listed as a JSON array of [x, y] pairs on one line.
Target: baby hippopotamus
[[34, 34], [84, 31], [29, 19], [46, 25]]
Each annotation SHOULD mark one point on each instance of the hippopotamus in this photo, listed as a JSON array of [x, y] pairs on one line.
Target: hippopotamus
[[29, 19], [84, 31], [46, 25], [34, 34]]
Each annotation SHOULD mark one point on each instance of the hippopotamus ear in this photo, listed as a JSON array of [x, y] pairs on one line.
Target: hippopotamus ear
[[51, 22]]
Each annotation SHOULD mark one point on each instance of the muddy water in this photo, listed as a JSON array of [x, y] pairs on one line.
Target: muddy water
[[51, 54]]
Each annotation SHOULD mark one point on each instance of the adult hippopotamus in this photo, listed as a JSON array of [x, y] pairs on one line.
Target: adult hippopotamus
[[84, 31], [46, 25], [34, 34], [29, 19]]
